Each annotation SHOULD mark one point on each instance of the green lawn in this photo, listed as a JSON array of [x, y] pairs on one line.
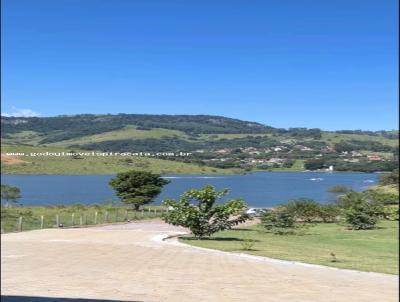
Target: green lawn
[[371, 250], [97, 165]]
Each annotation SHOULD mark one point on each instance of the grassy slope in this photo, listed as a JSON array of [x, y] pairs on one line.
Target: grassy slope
[[332, 138], [96, 165], [128, 132], [372, 250]]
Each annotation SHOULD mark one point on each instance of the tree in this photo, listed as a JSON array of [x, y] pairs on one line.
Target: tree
[[306, 210], [314, 164], [205, 217], [360, 211], [279, 221], [137, 187], [10, 193]]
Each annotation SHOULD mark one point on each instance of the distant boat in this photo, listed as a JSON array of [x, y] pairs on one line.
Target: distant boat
[[316, 179], [369, 180]]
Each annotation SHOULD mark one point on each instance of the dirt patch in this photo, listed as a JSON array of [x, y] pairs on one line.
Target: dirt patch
[[12, 160]]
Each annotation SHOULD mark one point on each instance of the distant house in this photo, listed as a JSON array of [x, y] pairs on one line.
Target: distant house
[[355, 154], [275, 160], [250, 149], [374, 158], [223, 151]]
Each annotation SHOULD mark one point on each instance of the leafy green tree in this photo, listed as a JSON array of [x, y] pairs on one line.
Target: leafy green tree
[[137, 187], [360, 211], [198, 211], [10, 193]]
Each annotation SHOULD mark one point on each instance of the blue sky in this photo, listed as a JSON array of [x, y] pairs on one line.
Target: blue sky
[[326, 64]]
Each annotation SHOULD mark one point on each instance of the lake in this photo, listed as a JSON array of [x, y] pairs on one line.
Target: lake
[[261, 189]]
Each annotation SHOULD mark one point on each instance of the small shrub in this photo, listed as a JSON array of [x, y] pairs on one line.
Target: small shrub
[[247, 244], [333, 257], [339, 189], [279, 221]]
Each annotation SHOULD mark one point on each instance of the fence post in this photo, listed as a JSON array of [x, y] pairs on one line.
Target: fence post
[[20, 223], [81, 220], [126, 215], [116, 215], [95, 217], [41, 221], [72, 219], [85, 219], [58, 220], [106, 217], [142, 213]]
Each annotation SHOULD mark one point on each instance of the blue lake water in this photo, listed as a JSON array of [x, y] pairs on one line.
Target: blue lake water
[[262, 189]]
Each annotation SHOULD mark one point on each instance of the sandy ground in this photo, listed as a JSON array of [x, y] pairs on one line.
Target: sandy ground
[[11, 160], [130, 262]]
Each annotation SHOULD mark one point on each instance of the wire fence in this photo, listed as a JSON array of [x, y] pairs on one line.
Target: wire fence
[[18, 222]]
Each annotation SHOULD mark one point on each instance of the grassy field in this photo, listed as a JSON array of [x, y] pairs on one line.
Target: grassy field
[[96, 165], [297, 166], [332, 138], [71, 216], [372, 250]]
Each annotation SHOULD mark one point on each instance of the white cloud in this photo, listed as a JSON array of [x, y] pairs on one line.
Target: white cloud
[[16, 112]]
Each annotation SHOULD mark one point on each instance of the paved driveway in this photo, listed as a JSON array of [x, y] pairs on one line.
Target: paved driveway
[[130, 263]]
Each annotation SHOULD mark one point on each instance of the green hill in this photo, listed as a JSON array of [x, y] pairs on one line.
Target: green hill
[[214, 141]]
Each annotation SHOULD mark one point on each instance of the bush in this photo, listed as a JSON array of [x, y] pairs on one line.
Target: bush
[[361, 212], [339, 189], [280, 221], [306, 210], [383, 197], [389, 178], [329, 212], [391, 213]]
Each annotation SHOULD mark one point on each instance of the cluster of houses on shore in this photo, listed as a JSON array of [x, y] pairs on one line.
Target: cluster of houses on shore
[[280, 155]]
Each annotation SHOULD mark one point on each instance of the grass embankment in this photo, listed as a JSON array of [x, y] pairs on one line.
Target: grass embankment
[[71, 216], [95, 164], [371, 250]]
